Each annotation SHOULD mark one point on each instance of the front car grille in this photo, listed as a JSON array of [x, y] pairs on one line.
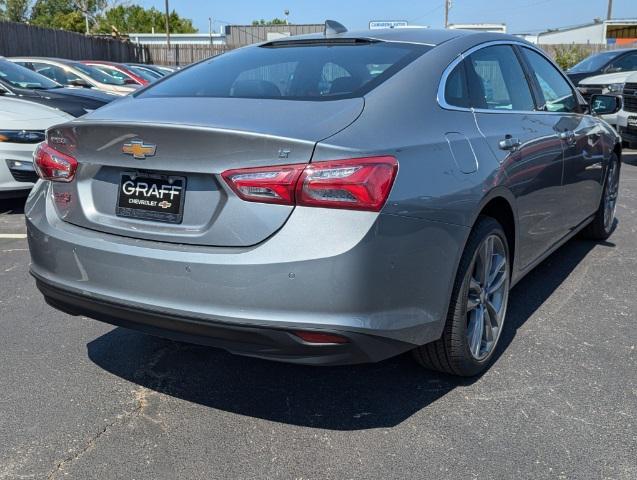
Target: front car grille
[[22, 171], [630, 97], [22, 176]]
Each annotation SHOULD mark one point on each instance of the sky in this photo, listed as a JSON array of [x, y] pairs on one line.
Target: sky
[[521, 16]]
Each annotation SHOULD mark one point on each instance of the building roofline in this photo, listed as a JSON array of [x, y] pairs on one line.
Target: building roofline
[[628, 21]]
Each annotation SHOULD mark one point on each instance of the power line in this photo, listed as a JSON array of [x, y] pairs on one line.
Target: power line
[[433, 10]]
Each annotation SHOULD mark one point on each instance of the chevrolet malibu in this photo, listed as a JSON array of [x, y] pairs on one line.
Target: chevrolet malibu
[[326, 199]]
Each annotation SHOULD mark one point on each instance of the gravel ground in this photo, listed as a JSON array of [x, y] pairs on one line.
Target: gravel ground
[[83, 400]]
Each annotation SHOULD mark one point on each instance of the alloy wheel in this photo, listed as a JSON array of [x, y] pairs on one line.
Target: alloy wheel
[[611, 194], [487, 296]]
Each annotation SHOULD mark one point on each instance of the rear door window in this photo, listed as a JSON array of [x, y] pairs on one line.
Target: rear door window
[[497, 81], [294, 70], [557, 92]]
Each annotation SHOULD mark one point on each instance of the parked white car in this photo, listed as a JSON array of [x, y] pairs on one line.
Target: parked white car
[[21, 129], [627, 116], [608, 84]]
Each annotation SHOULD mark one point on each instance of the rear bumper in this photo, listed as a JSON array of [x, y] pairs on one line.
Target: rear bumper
[[382, 281], [261, 342]]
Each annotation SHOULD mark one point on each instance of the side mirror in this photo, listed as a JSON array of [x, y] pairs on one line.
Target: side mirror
[[79, 82], [605, 104]]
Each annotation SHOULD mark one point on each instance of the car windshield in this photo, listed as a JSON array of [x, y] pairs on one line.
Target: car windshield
[[594, 62], [144, 73], [294, 70], [98, 75], [21, 77]]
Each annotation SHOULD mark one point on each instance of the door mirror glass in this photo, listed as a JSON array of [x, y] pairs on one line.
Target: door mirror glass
[[605, 104], [79, 82]]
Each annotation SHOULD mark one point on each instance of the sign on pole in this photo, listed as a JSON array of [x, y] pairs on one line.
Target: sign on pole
[[378, 24]]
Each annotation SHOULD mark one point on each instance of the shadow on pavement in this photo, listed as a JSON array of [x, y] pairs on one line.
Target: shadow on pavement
[[13, 206], [335, 398]]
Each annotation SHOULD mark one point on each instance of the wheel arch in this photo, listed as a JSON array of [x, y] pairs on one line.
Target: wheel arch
[[500, 205]]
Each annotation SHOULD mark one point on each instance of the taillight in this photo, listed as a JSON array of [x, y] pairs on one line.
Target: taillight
[[361, 183], [358, 183], [265, 184], [51, 164]]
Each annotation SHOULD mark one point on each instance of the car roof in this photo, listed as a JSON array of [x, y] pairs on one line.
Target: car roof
[[425, 36], [102, 62], [64, 61], [618, 50]]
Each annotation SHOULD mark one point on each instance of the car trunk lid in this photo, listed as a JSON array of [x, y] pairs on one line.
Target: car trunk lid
[[174, 143]]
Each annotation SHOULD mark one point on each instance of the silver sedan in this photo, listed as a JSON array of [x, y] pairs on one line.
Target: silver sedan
[[326, 199]]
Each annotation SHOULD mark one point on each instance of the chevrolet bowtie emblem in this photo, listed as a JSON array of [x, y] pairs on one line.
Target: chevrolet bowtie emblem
[[139, 150]]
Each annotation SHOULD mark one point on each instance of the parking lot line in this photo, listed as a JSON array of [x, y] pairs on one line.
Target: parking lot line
[[13, 235]]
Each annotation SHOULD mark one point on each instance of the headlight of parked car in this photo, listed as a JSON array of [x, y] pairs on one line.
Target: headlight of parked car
[[22, 136], [614, 88]]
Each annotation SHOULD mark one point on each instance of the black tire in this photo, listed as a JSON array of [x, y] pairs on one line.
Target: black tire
[[599, 229], [451, 354]]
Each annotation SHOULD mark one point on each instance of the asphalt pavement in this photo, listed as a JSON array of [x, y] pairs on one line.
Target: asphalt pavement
[[81, 399]]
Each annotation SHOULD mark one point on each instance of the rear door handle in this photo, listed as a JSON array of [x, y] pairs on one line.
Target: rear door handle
[[509, 143]]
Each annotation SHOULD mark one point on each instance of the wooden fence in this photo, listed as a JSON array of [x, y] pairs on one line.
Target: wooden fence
[[183, 54], [19, 39], [587, 48]]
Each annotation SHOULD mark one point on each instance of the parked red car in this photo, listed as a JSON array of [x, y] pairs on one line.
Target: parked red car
[[118, 70]]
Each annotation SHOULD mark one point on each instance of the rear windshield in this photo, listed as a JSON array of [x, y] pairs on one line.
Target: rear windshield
[[293, 71]]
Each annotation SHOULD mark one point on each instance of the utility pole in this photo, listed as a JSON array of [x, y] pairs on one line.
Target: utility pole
[[167, 26], [447, 7], [210, 29], [609, 15]]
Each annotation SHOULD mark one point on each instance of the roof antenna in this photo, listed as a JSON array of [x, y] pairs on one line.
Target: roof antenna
[[332, 27]]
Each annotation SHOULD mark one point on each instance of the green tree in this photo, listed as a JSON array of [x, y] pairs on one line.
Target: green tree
[[568, 55], [66, 14], [71, 15], [274, 21], [135, 18], [14, 10]]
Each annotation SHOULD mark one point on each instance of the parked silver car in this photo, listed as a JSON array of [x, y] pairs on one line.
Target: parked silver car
[[75, 74], [326, 199]]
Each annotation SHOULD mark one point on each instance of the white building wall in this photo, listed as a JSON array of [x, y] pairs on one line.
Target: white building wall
[[588, 34]]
